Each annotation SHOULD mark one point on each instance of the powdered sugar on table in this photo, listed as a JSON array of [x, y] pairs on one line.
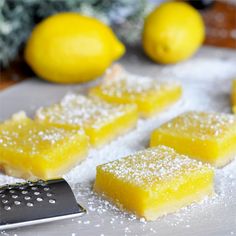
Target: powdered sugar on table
[[206, 81]]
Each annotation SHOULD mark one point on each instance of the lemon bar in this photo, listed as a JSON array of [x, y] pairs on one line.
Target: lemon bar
[[101, 121], [209, 137], [233, 96], [32, 150], [149, 95], [154, 182]]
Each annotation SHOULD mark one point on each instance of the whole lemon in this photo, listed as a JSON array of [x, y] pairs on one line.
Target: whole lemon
[[173, 32], [69, 48]]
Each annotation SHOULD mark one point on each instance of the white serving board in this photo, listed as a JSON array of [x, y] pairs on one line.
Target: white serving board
[[206, 80]]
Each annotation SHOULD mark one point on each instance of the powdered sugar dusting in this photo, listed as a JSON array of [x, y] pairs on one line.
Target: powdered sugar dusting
[[82, 111], [119, 83], [203, 68], [150, 167], [25, 136], [201, 125]]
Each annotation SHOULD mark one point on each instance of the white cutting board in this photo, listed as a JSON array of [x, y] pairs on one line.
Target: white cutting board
[[206, 79]]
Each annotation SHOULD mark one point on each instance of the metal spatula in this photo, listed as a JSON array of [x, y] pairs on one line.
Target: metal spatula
[[37, 202]]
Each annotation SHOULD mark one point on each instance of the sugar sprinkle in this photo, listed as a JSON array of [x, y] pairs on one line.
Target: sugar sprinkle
[[206, 82]]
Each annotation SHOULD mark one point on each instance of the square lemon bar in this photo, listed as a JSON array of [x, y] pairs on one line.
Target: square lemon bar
[[233, 96], [32, 150], [149, 95], [209, 137], [101, 121], [154, 182]]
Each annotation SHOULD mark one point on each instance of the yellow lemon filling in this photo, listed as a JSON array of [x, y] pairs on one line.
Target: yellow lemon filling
[[32, 150], [154, 182], [101, 121], [149, 95], [209, 137]]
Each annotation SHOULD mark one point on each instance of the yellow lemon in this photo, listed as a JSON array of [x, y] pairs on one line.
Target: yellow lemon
[[173, 32], [69, 48]]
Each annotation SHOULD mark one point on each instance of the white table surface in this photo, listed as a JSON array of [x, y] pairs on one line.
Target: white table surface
[[206, 79]]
